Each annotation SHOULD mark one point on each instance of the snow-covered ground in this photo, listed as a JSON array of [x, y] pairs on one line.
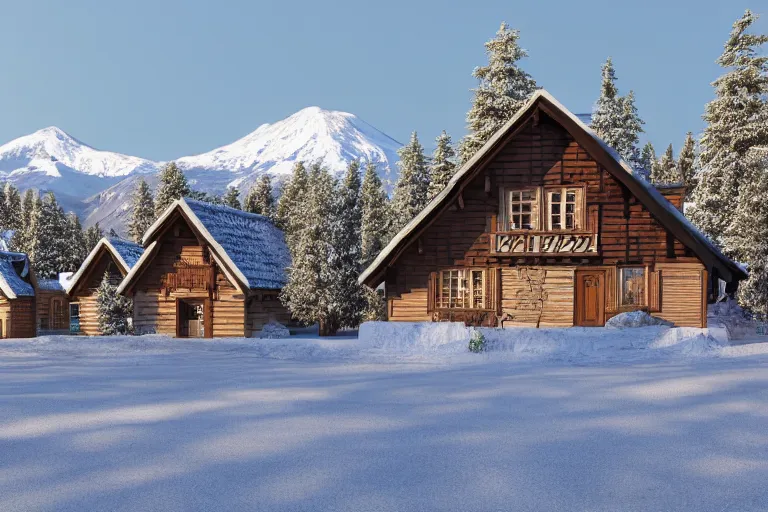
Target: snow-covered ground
[[403, 419]]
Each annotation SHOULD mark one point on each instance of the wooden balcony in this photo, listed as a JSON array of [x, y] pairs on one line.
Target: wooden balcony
[[543, 243], [189, 277]]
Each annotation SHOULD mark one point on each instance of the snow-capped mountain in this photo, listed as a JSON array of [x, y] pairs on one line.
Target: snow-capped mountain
[[98, 184]]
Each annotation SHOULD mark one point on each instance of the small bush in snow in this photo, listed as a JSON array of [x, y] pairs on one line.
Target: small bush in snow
[[477, 342]]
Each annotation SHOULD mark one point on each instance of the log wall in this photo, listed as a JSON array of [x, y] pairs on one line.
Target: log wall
[[264, 306], [86, 291]]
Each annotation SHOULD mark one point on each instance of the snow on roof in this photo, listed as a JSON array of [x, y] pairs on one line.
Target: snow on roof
[[14, 267], [654, 194], [124, 252], [129, 251], [249, 245], [53, 285], [252, 242]]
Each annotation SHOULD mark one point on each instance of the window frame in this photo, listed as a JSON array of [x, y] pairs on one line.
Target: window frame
[[541, 208], [644, 296], [466, 295], [578, 207]]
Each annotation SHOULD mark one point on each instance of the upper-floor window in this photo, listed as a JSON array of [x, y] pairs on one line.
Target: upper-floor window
[[562, 209]]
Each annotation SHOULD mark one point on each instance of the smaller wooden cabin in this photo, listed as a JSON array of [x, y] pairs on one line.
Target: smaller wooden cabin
[[17, 296], [51, 306], [208, 271], [114, 256]]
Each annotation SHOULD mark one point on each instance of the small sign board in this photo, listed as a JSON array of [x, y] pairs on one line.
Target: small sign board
[[74, 325]]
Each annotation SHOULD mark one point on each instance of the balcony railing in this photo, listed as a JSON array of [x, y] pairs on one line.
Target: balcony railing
[[543, 243], [189, 277]]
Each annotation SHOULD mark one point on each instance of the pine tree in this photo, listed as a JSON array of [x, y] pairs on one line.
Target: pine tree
[[143, 214], [615, 118], [307, 293], [75, 244], [376, 216], [737, 120], [13, 207], [666, 172], [21, 239], [48, 245], [232, 198], [502, 90], [114, 309], [288, 214], [443, 165], [686, 163], [647, 161], [3, 211], [412, 186], [92, 236], [172, 186], [346, 295], [260, 198]]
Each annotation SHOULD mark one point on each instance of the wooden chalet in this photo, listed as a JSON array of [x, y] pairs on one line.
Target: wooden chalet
[[114, 256], [51, 307], [547, 226], [17, 296], [208, 271]]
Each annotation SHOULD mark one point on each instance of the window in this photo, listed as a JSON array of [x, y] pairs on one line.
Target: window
[[74, 310], [523, 209], [632, 282], [563, 208], [461, 289]]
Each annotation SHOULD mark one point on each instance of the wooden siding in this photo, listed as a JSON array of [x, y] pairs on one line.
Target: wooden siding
[[540, 154], [683, 294], [537, 296], [18, 317], [46, 322]]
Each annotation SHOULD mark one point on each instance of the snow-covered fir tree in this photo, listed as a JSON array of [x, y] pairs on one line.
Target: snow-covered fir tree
[[412, 186], [3, 211], [92, 236], [75, 252], [443, 165], [376, 216], [615, 118], [346, 295], [21, 238], [737, 120], [114, 309], [686, 163], [502, 89], [666, 172], [747, 234], [172, 185], [647, 161], [307, 293], [260, 198], [289, 206], [13, 207], [143, 214], [232, 198], [48, 244]]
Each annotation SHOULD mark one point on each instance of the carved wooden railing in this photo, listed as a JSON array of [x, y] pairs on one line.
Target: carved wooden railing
[[543, 243], [189, 276]]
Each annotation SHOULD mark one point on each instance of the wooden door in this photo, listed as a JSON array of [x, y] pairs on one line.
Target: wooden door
[[590, 298]]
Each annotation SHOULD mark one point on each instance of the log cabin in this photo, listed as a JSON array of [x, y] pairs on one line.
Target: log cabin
[[112, 256], [51, 307], [208, 271], [17, 296], [547, 226]]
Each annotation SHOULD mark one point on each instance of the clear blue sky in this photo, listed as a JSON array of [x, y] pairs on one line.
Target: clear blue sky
[[163, 79]]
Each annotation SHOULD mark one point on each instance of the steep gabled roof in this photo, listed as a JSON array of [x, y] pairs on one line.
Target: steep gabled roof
[[14, 267], [123, 252], [661, 209], [249, 246]]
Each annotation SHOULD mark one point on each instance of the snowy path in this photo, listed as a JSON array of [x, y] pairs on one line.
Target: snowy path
[[176, 426]]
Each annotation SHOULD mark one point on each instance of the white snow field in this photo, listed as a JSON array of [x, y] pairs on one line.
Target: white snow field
[[402, 419]]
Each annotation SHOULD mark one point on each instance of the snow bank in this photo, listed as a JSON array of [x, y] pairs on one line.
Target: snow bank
[[416, 337], [274, 330], [634, 319]]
